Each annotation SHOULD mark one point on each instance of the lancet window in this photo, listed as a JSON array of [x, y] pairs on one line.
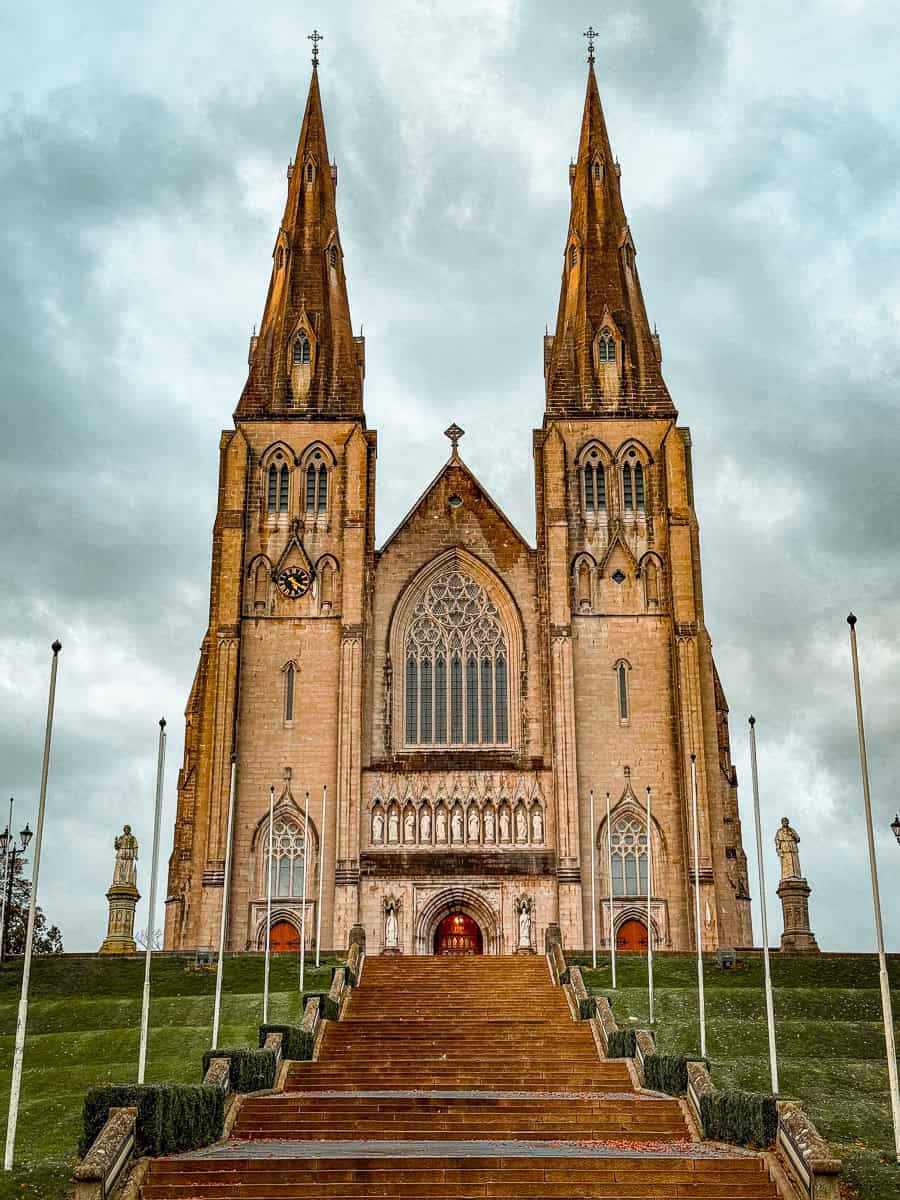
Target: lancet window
[[629, 857], [317, 486], [622, 687], [289, 693], [606, 346], [456, 667], [279, 488], [287, 863], [633, 486], [301, 348], [594, 477]]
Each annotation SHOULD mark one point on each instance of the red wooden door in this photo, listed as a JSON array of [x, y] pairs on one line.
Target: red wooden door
[[458, 934], [632, 935], [284, 938]]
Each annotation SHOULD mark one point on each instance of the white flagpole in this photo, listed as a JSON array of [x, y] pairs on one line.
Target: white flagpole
[[770, 1004], [151, 919], [269, 867], [593, 878], [22, 1018], [612, 922], [886, 1008], [303, 909], [700, 992], [217, 1005], [321, 878], [649, 915]]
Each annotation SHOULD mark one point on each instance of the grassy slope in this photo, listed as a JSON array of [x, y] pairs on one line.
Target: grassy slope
[[83, 1029], [829, 1036]]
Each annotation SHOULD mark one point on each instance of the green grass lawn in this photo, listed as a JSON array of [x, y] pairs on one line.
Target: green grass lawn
[[829, 1035], [83, 1028]]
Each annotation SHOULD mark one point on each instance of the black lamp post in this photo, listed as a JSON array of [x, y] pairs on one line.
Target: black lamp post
[[895, 825], [11, 852]]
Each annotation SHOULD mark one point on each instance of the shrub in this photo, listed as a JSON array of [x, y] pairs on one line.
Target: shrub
[[745, 1118], [328, 1009], [295, 1041], [666, 1073], [250, 1071], [171, 1116], [587, 1007], [621, 1043]]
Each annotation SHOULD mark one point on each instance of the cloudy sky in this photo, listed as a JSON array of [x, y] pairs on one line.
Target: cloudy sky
[[142, 171]]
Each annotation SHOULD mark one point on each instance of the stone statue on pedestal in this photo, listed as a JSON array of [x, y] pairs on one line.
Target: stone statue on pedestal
[[391, 925], [523, 919], [793, 892], [123, 897]]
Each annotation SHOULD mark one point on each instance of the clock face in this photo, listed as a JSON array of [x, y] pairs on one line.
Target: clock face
[[293, 582]]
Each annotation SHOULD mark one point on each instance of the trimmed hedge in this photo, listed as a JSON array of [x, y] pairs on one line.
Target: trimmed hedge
[[745, 1118], [171, 1116], [621, 1043], [587, 1007], [666, 1073], [328, 1010], [296, 1042], [250, 1071]]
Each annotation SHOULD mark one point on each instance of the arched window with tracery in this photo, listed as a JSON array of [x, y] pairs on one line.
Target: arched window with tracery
[[606, 346], [287, 864], [278, 485], [629, 856], [301, 348], [317, 484], [456, 675], [633, 483], [594, 478]]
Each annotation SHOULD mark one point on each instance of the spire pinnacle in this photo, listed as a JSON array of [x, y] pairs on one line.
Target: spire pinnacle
[[315, 37]]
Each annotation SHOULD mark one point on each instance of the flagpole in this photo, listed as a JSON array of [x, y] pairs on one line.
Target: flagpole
[[700, 992], [886, 1008], [612, 922], [151, 919], [770, 1004], [269, 866], [321, 879], [649, 917], [217, 1004], [593, 878], [303, 909], [22, 1018]]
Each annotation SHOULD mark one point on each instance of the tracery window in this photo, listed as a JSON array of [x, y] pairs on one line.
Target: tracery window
[[301, 348], [606, 346], [317, 485], [279, 485], [594, 477], [456, 667], [633, 486], [287, 864], [629, 857]]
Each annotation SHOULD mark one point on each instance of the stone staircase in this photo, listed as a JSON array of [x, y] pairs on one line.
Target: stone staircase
[[459, 1078]]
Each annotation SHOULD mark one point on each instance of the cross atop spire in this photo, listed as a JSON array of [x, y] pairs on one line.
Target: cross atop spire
[[590, 33], [454, 433], [315, 37]]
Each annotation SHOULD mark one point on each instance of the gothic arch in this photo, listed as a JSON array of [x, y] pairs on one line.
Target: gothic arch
[[452, 900], [650, 571], [327, 576], [584, 573]]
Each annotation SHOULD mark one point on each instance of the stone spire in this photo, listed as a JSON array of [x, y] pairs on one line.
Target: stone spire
[[305, 362], [602, 357]]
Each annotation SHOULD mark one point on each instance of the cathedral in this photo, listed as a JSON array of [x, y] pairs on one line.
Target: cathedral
[[463, 708]]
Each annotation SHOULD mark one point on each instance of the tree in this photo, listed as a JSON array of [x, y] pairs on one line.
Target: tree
[[47, 938]]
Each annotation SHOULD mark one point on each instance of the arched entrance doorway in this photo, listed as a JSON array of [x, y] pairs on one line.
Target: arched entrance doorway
[[631, 935], [458, 934], [284, 938]]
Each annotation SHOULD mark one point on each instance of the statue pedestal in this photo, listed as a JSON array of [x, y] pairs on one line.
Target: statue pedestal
[[123, 898], [797, 938], [524, 950], [391, 950]]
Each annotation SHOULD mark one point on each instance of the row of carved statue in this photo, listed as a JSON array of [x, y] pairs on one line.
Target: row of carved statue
[[435, 824]]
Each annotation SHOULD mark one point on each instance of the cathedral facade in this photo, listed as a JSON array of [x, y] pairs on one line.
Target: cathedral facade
[[461, 706]]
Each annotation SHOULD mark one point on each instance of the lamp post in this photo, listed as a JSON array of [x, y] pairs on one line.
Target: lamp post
[[10, 852], [3, 886], [895, 826]]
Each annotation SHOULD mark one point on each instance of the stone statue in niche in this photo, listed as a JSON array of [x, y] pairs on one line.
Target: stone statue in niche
[[786, 842], [440, 826], [521, 825], [425, 824], [378, 825], [537, 826], [393, 826], [125, 870], [474, 824], [489, 824], [409, 826], [391, 925], [504, 825], [523, 910], [456, 825]]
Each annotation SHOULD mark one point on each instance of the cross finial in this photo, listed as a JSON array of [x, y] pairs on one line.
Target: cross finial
[[454, 433], [315, 37], [590, 33]]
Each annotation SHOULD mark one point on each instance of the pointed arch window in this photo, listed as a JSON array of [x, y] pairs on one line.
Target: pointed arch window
[[279, 258], [278, 486], [573, 255], [333, 257], [309, 172], [317, 486], [633, 484], [457, 663], [594, 478], [287, 863], [289, 693], [301, 349], [598, 170], [628, 844], [629, 256], [622, 689], [606, 346]]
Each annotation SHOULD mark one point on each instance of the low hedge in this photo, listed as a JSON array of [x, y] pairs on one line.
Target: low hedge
[[171, 1116], [328, 1009], [666, 1073], [587, 1007], [745, 1118], [250, 1071], [295, 1041], [621, 1044]]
